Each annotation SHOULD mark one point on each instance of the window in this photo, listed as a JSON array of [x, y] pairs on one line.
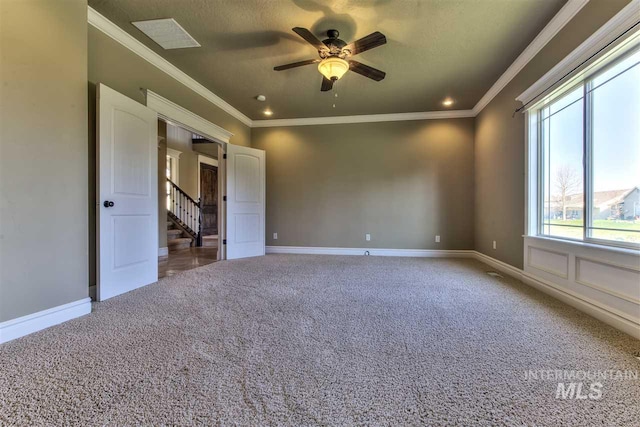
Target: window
[[172, 171], [588, 155]]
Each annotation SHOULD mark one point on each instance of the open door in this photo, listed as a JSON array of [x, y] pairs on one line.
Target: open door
[[127, 222], [246, 180]]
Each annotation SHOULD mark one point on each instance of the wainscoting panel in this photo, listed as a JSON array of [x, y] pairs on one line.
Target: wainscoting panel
[[606, 277], [556, 263], [599, 275]]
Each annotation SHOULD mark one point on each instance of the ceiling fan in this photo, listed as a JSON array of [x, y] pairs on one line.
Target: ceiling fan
[[335, 56]]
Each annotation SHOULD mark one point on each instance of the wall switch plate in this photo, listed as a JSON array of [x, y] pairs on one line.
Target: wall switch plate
[[367, 237], [275, 236], [437, 239], [495, 246]]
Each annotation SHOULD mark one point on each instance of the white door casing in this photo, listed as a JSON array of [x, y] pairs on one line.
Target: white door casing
[[246, 181], [127, 232]]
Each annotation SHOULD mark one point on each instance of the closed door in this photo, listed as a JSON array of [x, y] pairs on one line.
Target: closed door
[[209, 199], [127, 234], [246, 181]]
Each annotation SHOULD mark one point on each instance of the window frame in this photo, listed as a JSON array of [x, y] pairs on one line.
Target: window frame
[[536, 160]]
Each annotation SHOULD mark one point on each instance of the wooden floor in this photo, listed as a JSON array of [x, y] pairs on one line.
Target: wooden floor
[[186, 259]]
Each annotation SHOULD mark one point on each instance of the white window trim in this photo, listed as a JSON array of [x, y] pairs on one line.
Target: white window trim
[[605, 37], [532, 153]]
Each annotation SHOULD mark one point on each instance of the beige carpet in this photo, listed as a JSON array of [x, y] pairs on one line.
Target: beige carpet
[[319, 340]]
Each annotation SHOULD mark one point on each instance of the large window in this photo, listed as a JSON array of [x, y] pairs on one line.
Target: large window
[[589, 158]]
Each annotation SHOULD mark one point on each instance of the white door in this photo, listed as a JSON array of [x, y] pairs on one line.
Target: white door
[[127, 179], [245, 202]]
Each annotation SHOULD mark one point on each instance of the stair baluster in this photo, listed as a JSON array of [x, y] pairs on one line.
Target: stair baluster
[[185, 211]]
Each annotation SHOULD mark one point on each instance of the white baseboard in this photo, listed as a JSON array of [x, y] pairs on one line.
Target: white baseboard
[[417, 253], [163, 252], [586, 305], [25, 325]]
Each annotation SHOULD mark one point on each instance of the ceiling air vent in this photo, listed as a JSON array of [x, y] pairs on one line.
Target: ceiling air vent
[[167, 33]]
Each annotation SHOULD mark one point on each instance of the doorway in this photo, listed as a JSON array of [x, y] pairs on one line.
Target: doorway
[[241, 178], [209, 203]]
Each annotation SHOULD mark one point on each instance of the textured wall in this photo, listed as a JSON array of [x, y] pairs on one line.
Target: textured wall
[[403, 182], [43, 155], [499, 141]]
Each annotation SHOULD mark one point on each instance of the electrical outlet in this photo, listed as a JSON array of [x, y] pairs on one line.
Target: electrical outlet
[[437, 239], [367, 237], [495, 245], [275, 236]]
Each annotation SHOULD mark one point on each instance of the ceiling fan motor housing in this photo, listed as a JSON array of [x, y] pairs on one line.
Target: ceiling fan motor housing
[[334, 44]]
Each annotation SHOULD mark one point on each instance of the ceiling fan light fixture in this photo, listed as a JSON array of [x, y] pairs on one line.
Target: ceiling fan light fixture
[[333, 68]]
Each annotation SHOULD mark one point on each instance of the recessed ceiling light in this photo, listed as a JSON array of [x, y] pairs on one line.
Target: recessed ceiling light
[[448, 102], [261, 98], [167, 33], [268, 112]]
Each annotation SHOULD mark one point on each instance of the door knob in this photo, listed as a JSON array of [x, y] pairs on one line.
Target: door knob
[[108, 204]]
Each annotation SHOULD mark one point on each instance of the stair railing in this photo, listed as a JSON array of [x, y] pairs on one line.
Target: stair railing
[[185, 211]]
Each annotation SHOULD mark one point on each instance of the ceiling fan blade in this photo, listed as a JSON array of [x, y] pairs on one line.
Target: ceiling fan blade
[[365, 70], [310, 38], [296, 64], [368, 42], [327, 84]]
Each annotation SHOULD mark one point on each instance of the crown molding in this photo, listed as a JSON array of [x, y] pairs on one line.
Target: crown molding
[[371, 118], [621, 22], [101, 23], [562, 18], [568, 11]]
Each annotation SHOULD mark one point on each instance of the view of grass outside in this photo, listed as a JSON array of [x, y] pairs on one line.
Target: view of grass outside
[[612, 192], [625, 231]]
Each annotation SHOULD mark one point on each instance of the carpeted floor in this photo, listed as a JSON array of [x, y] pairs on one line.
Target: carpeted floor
[[320, 340]]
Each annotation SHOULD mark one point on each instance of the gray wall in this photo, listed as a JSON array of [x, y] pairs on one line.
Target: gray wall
[[499, 141], [403, 182], [43, 155]]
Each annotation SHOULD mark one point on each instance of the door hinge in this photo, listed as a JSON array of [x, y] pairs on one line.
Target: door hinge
[[224, 156], [224, 241], [224, 198]]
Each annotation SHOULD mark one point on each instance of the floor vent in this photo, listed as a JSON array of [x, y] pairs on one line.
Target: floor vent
[[495, 274]]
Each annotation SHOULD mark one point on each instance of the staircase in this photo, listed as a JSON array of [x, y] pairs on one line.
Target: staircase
[[183, 220], [177, 239]]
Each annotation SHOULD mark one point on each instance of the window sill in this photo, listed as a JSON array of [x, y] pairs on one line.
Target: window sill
[[577, 244]]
